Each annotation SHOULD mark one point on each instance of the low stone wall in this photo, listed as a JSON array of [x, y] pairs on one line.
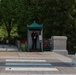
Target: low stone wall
[[74, 59]]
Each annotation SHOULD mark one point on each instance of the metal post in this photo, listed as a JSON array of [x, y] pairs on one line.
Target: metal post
[[3, 42], [27, 40], [42, 38]]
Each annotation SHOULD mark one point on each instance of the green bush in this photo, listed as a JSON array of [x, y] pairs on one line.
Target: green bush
[[23, 47], [46, 48]]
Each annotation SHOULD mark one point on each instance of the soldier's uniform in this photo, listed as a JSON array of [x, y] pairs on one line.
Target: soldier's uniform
[[34, 36]]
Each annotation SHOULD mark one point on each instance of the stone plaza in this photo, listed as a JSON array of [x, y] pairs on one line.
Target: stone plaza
[[35, 63], [55, 62]]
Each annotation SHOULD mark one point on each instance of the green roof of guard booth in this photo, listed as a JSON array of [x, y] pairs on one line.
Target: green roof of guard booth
[[34, 26]]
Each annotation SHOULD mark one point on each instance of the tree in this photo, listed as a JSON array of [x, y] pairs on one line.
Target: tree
[[57, 16], [8, 8]]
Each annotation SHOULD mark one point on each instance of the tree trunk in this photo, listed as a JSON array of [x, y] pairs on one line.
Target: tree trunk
[[8, 27]]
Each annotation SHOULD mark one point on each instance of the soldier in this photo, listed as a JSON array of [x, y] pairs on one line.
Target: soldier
[[34, 36]]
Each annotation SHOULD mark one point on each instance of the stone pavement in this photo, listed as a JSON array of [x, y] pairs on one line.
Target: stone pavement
[[35, 63], [8, 48]]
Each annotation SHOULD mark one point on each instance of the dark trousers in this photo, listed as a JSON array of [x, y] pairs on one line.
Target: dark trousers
[[34, 44]]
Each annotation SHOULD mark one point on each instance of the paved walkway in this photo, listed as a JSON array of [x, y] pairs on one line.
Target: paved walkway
[[11, 48], [35, 63]]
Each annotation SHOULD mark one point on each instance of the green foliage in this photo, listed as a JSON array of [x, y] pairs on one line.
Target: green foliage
[[57, 16], [8, 17], [4, 34]]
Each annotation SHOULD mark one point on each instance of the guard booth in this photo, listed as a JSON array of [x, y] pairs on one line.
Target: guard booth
[[39, 30]]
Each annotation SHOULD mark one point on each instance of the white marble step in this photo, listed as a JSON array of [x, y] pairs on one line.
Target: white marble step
[[30, 69], [19, 60]]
